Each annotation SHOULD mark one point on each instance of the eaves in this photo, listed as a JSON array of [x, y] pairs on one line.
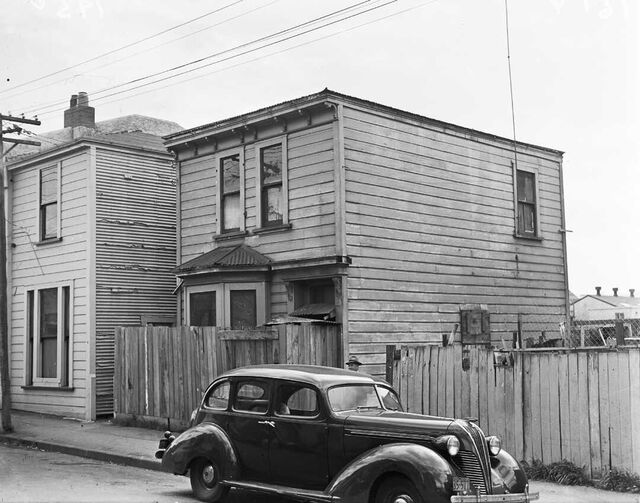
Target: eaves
[[79, 144]]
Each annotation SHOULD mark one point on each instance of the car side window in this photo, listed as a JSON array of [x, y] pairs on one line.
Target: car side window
[[296, 400], [251, 396], [218, 397]]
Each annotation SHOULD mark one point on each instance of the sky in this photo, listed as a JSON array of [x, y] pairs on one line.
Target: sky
[[575, 69]]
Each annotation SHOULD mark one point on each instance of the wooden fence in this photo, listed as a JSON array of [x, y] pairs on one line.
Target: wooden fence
[[161, 372], [583, 406]]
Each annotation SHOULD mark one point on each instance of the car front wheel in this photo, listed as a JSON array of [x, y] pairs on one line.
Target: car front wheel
[[397, 490], [205, 480]]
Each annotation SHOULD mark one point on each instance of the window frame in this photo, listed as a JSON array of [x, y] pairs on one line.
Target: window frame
[[536, 204], [223, 300], [266, 385], [41, 220], [284, 182], [278, 400], [32, 334], [220, 195]]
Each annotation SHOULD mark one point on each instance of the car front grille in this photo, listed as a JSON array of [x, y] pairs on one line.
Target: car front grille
[[472, 469]]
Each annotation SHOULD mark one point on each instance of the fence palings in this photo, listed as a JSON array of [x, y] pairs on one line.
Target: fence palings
[[163, 371], [548, 405]]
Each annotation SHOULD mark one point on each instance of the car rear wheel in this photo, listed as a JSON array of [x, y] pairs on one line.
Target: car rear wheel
[[205, 480], [397, 489]]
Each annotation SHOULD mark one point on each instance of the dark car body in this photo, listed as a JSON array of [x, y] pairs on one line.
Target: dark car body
[[325, 434]]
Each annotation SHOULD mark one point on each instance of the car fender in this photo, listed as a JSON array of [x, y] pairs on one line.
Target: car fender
[[506, 474], [428, 470], [203, 440]]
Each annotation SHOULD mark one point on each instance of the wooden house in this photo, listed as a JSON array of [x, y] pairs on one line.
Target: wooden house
[[91, 228], [606, 307], [397, 225]]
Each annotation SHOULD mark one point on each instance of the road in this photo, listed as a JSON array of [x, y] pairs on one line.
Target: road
[[31, 476]]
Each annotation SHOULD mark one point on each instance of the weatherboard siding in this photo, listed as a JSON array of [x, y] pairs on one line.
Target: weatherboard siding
[[311, 200], [430, 223], [135, 250], [35, 266]]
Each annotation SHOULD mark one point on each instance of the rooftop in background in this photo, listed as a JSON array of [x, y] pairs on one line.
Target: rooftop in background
[[134, 131]]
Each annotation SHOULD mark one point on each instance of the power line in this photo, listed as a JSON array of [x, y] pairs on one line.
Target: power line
[[199, 60], [272, 53], [227, 51], [124, 46], [110, 63]]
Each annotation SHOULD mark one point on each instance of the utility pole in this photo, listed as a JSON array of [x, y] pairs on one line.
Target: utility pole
[[5, 383]]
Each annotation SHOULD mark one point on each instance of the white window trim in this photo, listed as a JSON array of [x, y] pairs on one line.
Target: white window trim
[[36, 357], [285, 178], [218, 174], [536, 175], [59, 201], [260, 300], [223, 303], [199, 289]]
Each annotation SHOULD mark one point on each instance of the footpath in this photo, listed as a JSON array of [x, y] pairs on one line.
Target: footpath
[[99, 440]]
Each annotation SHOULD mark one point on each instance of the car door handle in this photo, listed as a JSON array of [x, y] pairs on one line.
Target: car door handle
[[270, 423]]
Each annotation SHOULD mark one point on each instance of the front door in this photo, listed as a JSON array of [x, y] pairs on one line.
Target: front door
[[298, 448]]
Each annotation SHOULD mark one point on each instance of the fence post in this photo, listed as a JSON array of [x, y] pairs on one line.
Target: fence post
[[391, 356]]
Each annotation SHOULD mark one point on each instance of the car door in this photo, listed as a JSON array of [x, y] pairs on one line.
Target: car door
[[249, 427], [298, 449]]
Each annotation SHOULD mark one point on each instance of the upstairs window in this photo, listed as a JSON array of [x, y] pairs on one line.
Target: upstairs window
[[273, 206], [230, 207], [48, 212], [527, 213], [271, 182]]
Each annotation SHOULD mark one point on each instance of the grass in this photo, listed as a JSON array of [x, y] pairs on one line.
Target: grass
[[567, 473]]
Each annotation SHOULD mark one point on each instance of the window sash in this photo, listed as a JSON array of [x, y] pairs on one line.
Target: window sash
[[48, 202], [49, 361], [272, 172], [526, 203], [230, 191]]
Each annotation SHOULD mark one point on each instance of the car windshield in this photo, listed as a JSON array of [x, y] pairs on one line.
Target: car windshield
[[354, 397]]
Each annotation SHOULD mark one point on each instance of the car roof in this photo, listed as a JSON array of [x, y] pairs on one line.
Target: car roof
[[322, 377]]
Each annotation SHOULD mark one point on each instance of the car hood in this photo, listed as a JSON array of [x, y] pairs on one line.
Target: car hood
[[406, 426], [401, 424]]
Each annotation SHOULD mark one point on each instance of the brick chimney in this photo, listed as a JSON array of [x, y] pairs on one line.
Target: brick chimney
[[632, 292], [79, 112], [615, 292], [598, 288]]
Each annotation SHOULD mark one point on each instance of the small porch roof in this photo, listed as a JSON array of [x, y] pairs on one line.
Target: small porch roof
[[225, 258]]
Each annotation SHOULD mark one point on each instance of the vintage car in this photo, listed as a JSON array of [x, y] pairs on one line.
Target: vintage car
[[324, 434]]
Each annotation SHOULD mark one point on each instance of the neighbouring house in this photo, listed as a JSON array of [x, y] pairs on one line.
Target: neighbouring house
[[395, 225], [92, 235], [606, 307]]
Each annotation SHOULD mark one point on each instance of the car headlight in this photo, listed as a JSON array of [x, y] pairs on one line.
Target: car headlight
[[450, 443], [494, 444]]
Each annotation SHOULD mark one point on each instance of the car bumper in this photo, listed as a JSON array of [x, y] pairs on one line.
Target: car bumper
[[496, 498]]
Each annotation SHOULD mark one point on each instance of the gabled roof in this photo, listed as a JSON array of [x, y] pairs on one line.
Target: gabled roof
[[237, 256], [613, 300]]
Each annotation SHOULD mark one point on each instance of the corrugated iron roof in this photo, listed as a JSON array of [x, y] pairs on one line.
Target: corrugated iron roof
[[225, 257]]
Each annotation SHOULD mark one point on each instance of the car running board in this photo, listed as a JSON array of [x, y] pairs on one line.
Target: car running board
[[290, 492]]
